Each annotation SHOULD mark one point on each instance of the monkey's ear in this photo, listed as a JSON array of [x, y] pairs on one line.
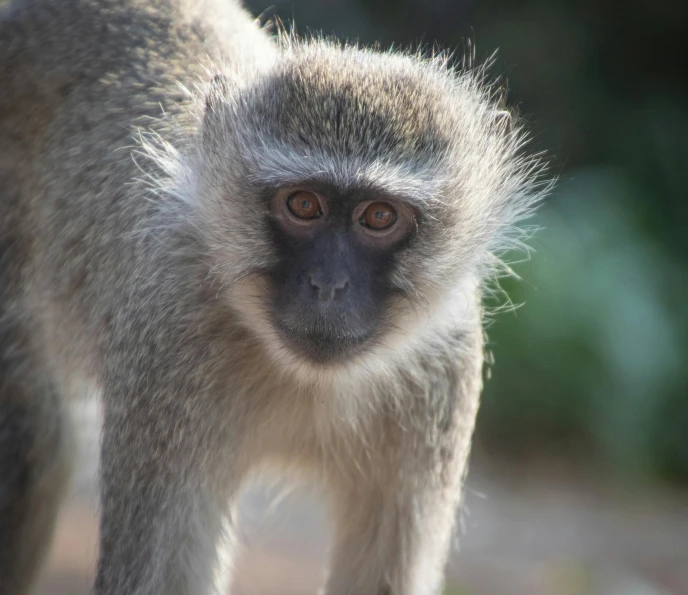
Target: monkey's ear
[[217, 92]]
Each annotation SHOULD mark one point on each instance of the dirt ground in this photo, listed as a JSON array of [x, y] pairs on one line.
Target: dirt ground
[[523, 532]]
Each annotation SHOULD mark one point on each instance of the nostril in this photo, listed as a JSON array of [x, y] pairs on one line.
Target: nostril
[[327, 289], [315, 283]]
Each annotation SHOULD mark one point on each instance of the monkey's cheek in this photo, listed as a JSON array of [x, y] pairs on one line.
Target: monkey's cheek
[[248, 299]]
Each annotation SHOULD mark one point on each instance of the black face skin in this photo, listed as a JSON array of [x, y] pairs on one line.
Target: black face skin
[[332, 281]]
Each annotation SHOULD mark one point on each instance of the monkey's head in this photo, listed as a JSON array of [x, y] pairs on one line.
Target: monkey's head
[[353, 201]]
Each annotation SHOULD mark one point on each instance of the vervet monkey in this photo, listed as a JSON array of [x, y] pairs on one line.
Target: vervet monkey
[[264, 252]]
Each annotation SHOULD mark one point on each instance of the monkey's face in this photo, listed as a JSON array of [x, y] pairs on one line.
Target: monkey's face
[[333, 275], [351, 205]]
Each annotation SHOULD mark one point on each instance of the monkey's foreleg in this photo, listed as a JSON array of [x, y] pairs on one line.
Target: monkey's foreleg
[[395, 508], [165, 488], [393, 539]]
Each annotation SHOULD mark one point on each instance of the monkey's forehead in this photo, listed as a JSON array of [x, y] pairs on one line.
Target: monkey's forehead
[[356, 102]]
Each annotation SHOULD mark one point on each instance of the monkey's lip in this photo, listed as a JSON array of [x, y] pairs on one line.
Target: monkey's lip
[[323, 347]]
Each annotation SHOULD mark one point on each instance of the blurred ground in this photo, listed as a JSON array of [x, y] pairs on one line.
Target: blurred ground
[[525, 531]]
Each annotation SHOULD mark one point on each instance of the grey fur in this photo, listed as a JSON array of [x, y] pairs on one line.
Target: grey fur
[[131, 249]]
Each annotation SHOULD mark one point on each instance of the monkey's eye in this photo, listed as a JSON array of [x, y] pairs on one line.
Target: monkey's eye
[[378, 216], [382, 223], [304, 205]]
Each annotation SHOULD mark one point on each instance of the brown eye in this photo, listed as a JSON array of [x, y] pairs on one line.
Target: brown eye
[[378, 216], [304, 205]]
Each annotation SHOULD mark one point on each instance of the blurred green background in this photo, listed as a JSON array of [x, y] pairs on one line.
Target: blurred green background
[[591, 367]]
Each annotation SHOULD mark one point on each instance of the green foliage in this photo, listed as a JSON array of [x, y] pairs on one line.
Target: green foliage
[[595, 360]]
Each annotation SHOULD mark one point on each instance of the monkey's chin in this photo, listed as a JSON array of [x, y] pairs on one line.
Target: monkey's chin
[[324, 349]]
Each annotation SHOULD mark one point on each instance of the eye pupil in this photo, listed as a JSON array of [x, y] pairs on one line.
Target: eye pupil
[[304, 205], [379, 216]]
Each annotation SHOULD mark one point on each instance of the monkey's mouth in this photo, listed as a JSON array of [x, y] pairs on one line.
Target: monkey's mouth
[[323, 346]]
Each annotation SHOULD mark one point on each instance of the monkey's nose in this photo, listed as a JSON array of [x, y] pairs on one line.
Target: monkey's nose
[[327, 289]]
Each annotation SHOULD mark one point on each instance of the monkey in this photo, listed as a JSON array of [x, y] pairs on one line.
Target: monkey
[[266, 253]]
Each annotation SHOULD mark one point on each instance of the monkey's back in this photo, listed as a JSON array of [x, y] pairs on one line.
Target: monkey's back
[[71, 192], [63, 107]]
